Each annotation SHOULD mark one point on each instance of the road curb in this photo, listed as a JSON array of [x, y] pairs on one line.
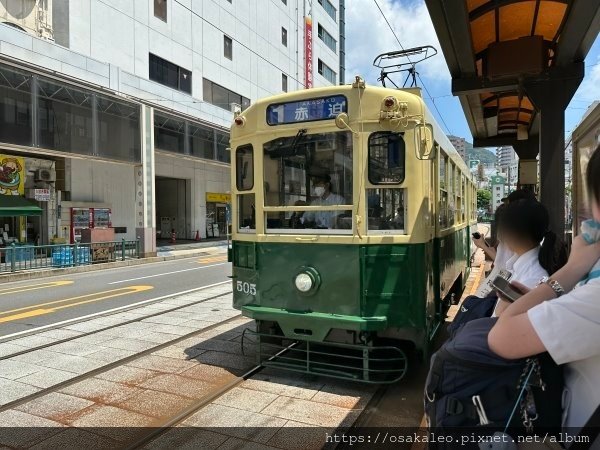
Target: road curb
[[44, 273]]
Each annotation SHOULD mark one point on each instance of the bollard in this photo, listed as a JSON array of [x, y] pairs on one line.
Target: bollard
[[13, 257], [137, 247], [123, 249]]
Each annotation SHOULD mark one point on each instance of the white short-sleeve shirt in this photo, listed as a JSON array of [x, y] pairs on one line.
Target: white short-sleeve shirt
[[526, 269], [503, 254], [569, 328], [324, 219]]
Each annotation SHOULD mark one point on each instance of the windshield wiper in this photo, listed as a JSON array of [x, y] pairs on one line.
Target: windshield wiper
[[288, 150], [300, 135]]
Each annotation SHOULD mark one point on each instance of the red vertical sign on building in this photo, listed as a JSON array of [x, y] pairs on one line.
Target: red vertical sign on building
[[308, 53]]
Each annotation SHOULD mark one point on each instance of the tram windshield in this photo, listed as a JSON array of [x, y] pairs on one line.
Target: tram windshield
[[309, 170]]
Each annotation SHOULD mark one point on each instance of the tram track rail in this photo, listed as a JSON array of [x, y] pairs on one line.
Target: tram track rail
[[201, 403], [111, 327], [192, 409], [120, 362]]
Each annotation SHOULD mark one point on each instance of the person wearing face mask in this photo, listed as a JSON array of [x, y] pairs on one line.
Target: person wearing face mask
[[323, 196]]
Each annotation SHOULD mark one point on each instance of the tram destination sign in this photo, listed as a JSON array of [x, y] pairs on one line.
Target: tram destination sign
[[323, 108]]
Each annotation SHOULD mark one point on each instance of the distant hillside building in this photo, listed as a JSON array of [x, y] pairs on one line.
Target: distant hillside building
[[460, 146]]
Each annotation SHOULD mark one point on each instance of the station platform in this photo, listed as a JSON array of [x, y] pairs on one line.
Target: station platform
[[179, 373]]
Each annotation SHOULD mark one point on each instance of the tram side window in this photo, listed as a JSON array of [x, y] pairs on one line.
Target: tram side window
[[386, 158], [443, 206], [473, 202], [463, 198], [244, 167], [386, 210], [246, 213], [451, 208]]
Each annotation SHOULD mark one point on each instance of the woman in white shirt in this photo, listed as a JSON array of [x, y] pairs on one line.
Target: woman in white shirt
[[502, 253], [568, 328], [499, 255], [536, 251]]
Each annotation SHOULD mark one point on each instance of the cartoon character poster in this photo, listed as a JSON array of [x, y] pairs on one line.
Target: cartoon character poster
[[12, 175]]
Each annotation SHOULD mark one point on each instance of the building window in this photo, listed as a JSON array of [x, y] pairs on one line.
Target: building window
[[327, 38], [284, 36], [329, 8], [228, 47], [177, 135], [222, 97], [169, 74], [326, 72], [284, 82], [160, 9]]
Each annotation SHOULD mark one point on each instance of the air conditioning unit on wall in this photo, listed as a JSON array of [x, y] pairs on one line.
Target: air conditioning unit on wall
[[46, 175]]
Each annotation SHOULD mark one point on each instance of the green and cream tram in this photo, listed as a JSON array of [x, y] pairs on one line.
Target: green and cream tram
[[351, 228]]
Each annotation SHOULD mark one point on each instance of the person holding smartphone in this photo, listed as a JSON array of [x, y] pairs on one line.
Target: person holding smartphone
[[502, 253], [563, 321], [536, 251]]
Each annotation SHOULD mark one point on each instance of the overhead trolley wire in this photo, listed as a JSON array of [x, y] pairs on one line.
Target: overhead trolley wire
[[420, 79]]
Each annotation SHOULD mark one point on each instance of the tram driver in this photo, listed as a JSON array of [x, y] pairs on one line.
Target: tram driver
[[321, 182]]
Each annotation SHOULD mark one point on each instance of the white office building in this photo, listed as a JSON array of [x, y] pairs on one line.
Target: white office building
[[127, 103], [508, 164]]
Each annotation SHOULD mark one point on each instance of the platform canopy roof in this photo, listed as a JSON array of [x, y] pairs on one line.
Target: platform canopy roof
[[495, 49]]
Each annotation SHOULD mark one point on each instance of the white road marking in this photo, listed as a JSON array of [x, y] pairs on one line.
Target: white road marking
[[167, 273], [12, 336]]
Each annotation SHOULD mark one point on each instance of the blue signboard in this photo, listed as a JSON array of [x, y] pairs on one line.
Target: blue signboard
[[307, 110]]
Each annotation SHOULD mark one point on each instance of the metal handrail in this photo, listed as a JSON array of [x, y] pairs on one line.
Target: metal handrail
[[16, 258]]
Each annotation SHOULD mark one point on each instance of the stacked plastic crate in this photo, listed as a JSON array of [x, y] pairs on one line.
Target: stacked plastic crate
[[83, 255], [62, 257]]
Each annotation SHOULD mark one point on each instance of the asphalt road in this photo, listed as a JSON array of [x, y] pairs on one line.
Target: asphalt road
[[26, 305]]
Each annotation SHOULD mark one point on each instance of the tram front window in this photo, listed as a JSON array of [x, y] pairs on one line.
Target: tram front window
[[309, 170]]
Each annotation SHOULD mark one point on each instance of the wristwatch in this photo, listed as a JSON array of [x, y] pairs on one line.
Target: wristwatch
[[554, 285]]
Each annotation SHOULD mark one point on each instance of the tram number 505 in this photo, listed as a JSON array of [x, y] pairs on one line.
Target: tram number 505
[[246, 288]]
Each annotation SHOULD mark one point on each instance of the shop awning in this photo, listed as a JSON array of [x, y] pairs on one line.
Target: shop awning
[[15, 205]]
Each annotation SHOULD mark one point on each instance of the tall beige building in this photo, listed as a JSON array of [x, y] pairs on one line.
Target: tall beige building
[[460, 146]]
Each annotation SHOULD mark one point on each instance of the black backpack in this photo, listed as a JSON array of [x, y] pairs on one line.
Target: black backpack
[[467, 382], [472, 308]]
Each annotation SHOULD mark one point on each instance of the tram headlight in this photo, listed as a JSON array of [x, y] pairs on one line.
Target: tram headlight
[[307, 280], [304, 282]]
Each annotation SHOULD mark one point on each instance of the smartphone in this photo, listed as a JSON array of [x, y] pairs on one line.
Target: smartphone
[[506, 290], [477, 235]]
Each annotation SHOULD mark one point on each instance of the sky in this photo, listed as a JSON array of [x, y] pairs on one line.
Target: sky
[[367, 35]]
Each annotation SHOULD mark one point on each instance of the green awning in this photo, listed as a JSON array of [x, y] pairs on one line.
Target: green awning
[[15, 205]]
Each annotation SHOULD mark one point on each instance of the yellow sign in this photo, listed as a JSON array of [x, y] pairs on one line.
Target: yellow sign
[[12, 175], [218, 198]]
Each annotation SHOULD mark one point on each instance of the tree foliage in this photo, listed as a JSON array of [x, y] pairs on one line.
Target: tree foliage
[[484, 198]]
